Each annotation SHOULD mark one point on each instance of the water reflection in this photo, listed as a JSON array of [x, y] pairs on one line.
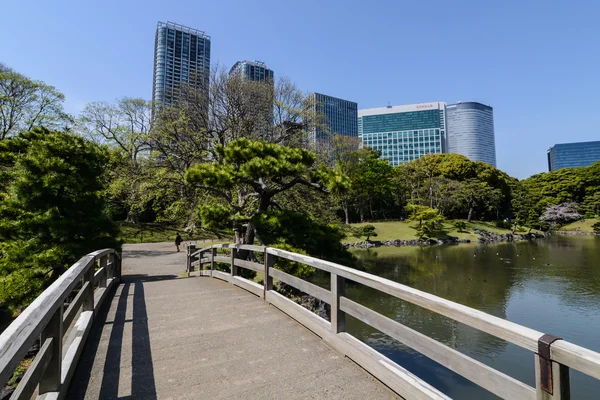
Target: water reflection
[[552, 285]]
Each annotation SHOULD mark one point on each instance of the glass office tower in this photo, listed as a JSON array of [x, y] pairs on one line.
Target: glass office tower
[[181, 57], [252, 70], [471, 131], [339, 117], [573, 155], [404, 133]]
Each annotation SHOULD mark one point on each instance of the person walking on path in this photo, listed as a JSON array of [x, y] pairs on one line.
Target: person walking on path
[[178, 241]]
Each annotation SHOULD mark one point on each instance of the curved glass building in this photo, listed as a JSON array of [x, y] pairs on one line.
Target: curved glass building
[[471, 131]]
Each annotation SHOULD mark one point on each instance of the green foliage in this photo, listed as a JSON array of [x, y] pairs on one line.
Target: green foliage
[[26, 104], [301, 233], [430, 221], [366, 230], [596, 227], [52, 211], [460, 226]]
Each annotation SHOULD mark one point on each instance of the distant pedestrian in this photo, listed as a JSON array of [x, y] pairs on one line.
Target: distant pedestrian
[[178, 241]]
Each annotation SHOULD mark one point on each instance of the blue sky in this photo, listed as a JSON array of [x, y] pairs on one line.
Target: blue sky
[[535, 62]]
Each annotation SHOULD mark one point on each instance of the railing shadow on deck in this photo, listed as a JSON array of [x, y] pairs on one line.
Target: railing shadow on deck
[[143, 384]]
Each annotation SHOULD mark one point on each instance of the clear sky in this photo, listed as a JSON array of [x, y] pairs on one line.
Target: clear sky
[[535, 62]]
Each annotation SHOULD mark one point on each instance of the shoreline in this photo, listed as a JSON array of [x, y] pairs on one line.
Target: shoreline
[[485, 237]]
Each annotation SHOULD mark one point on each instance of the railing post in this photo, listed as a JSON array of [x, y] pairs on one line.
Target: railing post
[[338, 317], [88, 301], [551, 378], [268, 279], [213, 253], [110, 266], [190, 268], [119, 265], [50, 381], [103, 275], [233, 269]]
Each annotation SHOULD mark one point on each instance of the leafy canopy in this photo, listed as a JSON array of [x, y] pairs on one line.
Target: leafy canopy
[[51, 211]]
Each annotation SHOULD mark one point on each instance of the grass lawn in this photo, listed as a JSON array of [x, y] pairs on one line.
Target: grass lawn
[[402, 230], [584, 225], [153, 232]]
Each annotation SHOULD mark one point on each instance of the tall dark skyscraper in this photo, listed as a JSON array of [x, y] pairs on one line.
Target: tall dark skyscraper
[[573, 155], [340, 117], [252, 70], [181, 57]]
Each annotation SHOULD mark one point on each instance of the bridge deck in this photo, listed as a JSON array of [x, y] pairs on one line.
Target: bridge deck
[[168, 337]]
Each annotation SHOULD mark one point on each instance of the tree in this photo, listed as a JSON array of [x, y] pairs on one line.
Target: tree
[[26, 104], [560, 214], [461, 226], [248, 176], [124, 127], [52, 212], [366, 230], [430, 221], [596, 227]]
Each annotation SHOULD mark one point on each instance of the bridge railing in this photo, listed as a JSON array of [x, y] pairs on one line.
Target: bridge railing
[[62, 329], [552, 357]]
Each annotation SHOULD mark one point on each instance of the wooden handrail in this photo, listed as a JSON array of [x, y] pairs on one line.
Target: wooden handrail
[[561, 354], [45, 318]]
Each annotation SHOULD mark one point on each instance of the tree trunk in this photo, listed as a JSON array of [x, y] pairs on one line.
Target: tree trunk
[[470, 214], [346, 213]]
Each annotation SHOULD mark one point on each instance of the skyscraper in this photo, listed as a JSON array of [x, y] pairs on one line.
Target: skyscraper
[[181, 57], [252, 70], [336, 117], [573, 155], [404, 133], [471, 131]]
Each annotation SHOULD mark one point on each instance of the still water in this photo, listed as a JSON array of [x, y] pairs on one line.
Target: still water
[[551, 285]]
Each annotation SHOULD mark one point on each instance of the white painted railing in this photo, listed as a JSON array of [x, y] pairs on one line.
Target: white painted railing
[[49, 320], [552, 357]]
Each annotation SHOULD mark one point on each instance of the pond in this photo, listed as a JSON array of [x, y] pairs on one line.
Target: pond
[[551, 285]]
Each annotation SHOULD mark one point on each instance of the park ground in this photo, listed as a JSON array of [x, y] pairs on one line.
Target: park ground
[[583, 225]]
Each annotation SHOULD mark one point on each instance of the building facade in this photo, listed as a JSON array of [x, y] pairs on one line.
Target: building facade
[[335, 117], [573, 155], [181, 57], [252, 71], [471, 131], [404, 133]]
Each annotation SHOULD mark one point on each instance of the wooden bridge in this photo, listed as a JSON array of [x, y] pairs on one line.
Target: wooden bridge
[[164, 330]]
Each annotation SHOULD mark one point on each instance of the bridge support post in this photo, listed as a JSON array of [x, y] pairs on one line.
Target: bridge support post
[[51, 379], [551, 378], [233, 269], [88, 301], [190, 268], [213, 253], [268, 279], [338, 317], [104, 274]]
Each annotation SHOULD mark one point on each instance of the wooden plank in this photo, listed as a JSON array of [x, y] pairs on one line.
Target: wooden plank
[[509, 331], [394, 376], [560, 381], [248, 285], [202, 250], [488, 378], [391, 374], [306, 287], [75, 305], [251, 247], [576, 357], [30, 380], [221, 275], [268, 278], [249, 265], [223, 259], [18, 337], [201, 261]]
